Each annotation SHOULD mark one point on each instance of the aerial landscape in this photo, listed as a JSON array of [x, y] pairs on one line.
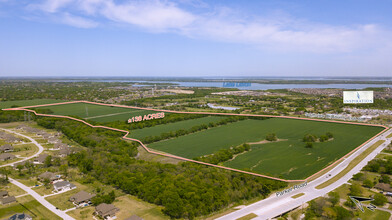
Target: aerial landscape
[[195, 109]]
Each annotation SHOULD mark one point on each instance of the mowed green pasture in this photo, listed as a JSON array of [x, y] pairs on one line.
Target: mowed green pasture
[[98, 113], [288, 159], [159, 129], [21, 103]]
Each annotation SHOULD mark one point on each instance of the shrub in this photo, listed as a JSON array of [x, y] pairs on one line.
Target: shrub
[[309, 145], [271, 137]]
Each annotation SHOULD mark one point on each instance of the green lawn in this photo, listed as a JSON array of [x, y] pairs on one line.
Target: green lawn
[[289, 159], [21, 103], [28, 205], [377, 214], [99, 113], [159, 129]]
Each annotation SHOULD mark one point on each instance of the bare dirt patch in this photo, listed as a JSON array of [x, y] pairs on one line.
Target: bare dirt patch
[[265, 141]]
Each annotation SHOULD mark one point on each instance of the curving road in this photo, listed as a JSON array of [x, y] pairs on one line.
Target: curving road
[[40, 148], [274, 206], [31, 192]]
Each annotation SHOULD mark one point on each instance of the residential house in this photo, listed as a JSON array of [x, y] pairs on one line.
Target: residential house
[[383, 187], [106, 210], [63, 186], [65, 151], [48, 175], [53, 140], [6, 148], [134, 217], [58, 146], [3, 194], [5, 198], [10, 138], [6, 156], [20, 216], [40, 159], [81, 198]]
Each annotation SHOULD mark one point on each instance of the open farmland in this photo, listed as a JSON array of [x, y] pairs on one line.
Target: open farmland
[[287, 158], [98, 113], [171, 127], [9, 104]]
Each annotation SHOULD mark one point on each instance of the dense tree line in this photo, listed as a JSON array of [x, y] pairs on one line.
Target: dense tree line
[[11, 116], [224, 154], [185, 190], [314, 138], [382, 166], [89, 137], [196, 128], [169, 118]]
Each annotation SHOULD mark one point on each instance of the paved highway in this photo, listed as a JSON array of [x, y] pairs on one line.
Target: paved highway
[[31, 192], [274, 206]]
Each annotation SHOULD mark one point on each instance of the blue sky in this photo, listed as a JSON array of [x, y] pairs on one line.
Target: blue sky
[[195, 38]]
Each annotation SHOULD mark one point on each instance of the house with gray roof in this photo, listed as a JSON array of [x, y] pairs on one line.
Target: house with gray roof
[[6, 156], [40, 159], [105, 211], [7, 200], [81, 198], [6, 148], [48, 175], [63, 186]]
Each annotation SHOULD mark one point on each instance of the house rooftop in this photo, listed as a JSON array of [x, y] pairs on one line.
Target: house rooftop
[[62, 184], [106, 209], [20, 216], [81, 196], [6, 156]]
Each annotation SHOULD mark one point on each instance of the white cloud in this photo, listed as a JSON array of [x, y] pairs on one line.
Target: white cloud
[[77, 21], [222, 24]]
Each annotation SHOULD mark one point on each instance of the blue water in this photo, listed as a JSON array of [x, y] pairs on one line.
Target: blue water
[[259, 86], [253, 86]]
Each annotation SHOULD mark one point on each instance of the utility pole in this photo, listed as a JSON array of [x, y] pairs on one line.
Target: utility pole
[[25, 116], [86, 110], [29, 115]]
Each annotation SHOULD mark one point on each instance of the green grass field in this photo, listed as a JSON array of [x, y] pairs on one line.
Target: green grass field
[[288, 159], [99, 113], [28, 205], [159, 129], [21, 103]]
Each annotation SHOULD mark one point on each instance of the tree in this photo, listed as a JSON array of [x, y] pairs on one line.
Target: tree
[[64, 170], [334, 198], [368, 183], [309, 138], [20, 167], [48, 161], [358, 176], [329, 135], [379, 199], [355, 189], [385, 179], [271, 137], [46, 183], [309, 145]]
